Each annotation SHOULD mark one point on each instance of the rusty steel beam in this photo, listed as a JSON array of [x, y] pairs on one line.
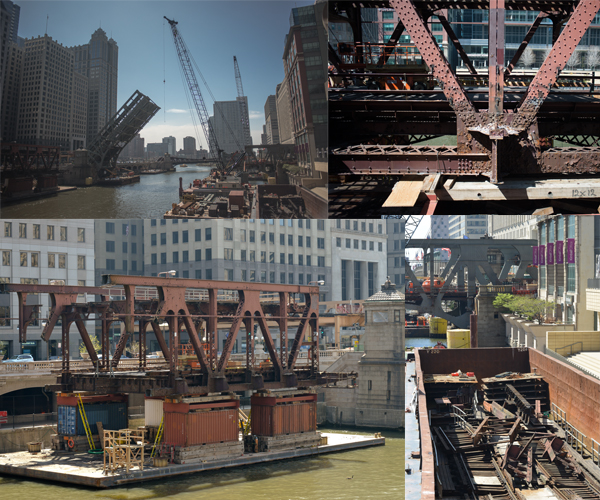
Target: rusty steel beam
[[560, 53], [536, 24], [432, 55], [457, 45], [390, 45]]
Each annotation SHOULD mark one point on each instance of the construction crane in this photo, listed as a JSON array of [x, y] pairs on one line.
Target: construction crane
[[243, 103], [190, 77], [411, 223], [192, 83]]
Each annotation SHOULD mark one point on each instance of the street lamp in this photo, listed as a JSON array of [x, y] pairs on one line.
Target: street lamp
[[170, 273]]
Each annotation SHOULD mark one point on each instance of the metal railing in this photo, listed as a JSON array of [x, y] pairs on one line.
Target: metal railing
[[571, 347], [29, 420], [574, 437], [460, 419]]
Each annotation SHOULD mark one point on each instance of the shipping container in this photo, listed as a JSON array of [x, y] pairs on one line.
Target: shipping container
[[272, 416], [112, 415], [153, 412], [201, 427]]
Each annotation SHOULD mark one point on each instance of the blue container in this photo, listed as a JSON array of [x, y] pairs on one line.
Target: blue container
[[113, 416]]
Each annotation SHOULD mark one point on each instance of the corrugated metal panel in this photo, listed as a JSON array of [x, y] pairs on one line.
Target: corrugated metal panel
[[67, 420], [284, 418], [112, 415], [153, 412], [196, 428]]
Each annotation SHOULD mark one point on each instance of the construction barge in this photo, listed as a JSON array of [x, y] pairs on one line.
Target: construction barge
[[503, 423]]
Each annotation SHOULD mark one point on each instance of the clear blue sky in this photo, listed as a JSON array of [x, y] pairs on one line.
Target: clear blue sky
[[214, 32]]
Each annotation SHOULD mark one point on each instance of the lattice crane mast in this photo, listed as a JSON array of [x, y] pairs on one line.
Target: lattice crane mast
[[243, 103], [192, 83]]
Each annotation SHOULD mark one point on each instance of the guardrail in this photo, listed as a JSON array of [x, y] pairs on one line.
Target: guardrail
[[460, 419], [29, 420], [571, 347], [574, 437]]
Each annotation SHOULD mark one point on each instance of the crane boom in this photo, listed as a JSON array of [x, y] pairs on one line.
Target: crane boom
[[192, 83], [243, 103]]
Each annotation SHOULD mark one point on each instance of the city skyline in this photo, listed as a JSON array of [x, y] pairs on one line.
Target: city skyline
[[150, 63]]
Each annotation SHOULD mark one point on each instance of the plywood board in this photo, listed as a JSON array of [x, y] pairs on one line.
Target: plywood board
[[404, 194]]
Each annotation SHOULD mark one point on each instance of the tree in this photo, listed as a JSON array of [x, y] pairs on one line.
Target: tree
[[95, 343], [528, 58], [593, 58], [503, 302], [533, 309], [574, 60]]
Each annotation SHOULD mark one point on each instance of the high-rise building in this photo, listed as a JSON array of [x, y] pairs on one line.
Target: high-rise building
[[395, 251], [41, 252], [271, 120], [189, 145], [155, 149], [263, 136], [227, 119], [304, 61], [171, 145], [53, 97], [284, 114], [13, 12], [512, 227], [135, 149], [9, 26], [467, 226], [11, 87], [99, 60]]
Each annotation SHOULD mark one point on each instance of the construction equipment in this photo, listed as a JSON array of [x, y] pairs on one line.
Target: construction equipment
[[158, 437], [86, 426]]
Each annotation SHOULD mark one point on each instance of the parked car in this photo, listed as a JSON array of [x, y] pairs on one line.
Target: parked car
[[20, 358]]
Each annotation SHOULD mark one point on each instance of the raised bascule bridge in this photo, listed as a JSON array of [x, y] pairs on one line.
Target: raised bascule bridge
[[411, 134], [473, 264], [194, 383]]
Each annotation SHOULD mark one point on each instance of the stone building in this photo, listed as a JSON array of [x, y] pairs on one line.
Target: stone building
[[380, 399]]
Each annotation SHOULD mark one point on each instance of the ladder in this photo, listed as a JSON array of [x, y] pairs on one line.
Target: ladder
[[158, 435], [86, 426]]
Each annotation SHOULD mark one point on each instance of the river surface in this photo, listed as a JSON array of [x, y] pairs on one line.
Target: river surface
[[148, 199], [376, 473]]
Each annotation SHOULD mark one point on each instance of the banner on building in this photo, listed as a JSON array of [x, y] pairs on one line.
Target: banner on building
[[535, 255], [571, 251], [542, 255], [560, 252], [550, 253]]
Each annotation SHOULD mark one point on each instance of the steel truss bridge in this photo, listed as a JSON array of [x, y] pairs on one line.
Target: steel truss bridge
[[468, 266], [504, 123], [197, 306]]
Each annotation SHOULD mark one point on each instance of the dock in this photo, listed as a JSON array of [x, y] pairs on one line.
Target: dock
[[87, 470]]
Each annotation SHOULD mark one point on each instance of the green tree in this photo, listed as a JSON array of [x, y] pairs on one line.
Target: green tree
[[503, 301], [95, 343]]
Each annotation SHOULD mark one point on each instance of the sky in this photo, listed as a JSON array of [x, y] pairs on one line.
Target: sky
[[214, 31]]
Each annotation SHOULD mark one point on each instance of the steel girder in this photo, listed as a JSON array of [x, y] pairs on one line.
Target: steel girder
[[27, 158]]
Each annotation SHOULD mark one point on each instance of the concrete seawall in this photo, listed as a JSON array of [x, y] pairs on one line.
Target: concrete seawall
[[12, 440]]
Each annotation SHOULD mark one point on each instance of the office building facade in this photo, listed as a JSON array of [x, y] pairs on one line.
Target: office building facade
[[467, 226], [228, 125], [271, 123]]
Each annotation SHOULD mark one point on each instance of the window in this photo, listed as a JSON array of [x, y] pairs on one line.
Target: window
[[291, 278], [379, 228], [263, 257], [380, 246], [321, 261], [228, 234], [175, 237], [252, 256], [263, 276], [271, 257], [282, 239], [198, 235], [371, 246], [363, 244], [8, 230], [134, 247], [282, 278], [22, 230], [163, 257], [133, 230], [363, 226], [50, 233], [301, 279], [570, 277], [51, 260], [308, 242], [320, 242], [370, 227], [80, 235], [110, 264], [110, 246], [252, 275], [110, 228], [300, 260], [252, 236], [36, 232], [153, 240], [308, 260], [35, 257], [290, 240], [355, 225], [244, 275], [272, 277], [291, 259], [124, 229], [307, 223], [186, 274], [300, 241], [387, 14], [242, 235], [163, 238], [6, 257], [175, 257], [321, 225], [23, 258], [198, 274], [153, 259], [356, 244], [208, 256], [153, 222], [228, 274], [208, 234], [338, 242], [184, 236], [198, 256], [282, 258], [263, 237], [272, 238], [228, 253], [163, 222], [185, 256], [124, 247]]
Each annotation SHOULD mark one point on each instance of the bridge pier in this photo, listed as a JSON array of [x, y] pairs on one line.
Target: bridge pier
[[490, 323]]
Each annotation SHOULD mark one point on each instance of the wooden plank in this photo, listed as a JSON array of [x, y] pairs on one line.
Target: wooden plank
[[100, 433], [479, 431], [404, 194]]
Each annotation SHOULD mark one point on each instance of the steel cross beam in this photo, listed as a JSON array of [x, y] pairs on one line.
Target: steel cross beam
[[459, 48], [560, 53], [429, 50]]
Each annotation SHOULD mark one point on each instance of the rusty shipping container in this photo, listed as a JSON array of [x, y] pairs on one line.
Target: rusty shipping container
[[200, 424], [272, 416]]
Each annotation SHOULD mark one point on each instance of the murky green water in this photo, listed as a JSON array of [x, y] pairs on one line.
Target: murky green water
[[148, 199], [376, 473]]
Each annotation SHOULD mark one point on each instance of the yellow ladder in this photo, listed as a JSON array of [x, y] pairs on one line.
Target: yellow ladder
[[158, 435], [86, 426]]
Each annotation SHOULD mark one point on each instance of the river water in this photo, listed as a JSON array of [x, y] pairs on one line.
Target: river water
[[148, 199], [376, 473]]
